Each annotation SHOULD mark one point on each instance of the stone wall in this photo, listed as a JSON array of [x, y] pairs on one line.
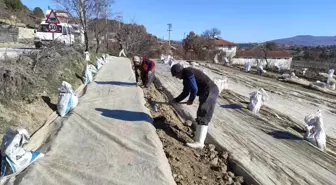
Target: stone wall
[[9, 34]]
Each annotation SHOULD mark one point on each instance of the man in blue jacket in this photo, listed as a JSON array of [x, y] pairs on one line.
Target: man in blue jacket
[[196, 83]]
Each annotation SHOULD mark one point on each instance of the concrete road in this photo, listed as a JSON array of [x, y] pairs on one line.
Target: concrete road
[[12, 52]]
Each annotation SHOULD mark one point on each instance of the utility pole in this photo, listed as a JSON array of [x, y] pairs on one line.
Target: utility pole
[[169, 30], [184, 36]]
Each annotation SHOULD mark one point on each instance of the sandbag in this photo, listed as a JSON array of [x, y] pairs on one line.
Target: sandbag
[[67, 99], [331, 80], [260, 68], [93, 69], [222, 83], [101, 60], [257, 99], [304, 70], [331, 73], [14, 158], [99, 63], [87, 74], [315, 130], [87, 56], [105, 56], [226, 61], [247, 67], [170, 62], [162, 58]]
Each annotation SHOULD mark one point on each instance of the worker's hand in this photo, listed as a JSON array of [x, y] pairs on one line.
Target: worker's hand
[[189, 102]]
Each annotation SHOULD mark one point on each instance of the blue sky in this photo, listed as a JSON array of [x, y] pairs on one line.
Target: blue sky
[[238, 20]]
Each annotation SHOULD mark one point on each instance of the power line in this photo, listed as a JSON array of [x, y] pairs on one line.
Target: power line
[[169, 30]]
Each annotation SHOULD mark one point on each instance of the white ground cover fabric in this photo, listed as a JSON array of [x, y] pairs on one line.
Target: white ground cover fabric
[[108, 138], [260, 148]]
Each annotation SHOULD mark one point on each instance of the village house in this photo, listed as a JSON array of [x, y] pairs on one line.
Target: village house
[[282, 59], [228, 47]]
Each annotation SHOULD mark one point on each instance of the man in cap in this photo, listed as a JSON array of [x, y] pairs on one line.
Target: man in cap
[[196, 83], [147, 70]]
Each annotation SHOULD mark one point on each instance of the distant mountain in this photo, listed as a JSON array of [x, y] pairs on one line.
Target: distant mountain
[[308, 40]]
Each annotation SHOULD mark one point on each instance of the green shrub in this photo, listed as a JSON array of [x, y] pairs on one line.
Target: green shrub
[[14, 4], [38, 12]]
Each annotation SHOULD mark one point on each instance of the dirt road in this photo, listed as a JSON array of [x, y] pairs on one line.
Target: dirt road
[[266, 149]]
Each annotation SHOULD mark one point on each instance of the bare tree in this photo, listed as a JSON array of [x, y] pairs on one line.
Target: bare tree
[[263, 50], [136, 40], [210, 34], [100, 25], [85, 10]]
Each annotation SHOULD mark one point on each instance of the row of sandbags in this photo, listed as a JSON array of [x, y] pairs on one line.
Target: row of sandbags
[[13, 157], [90, 69], [331, 82], [67, 98], [315, 130]]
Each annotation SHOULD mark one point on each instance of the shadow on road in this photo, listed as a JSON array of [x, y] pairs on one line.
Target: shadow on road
[[232, 106], [125, 115], [284, 135], [116, 83]]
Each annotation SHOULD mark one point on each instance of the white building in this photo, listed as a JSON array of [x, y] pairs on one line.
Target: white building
[[283, 59], [229, 48]]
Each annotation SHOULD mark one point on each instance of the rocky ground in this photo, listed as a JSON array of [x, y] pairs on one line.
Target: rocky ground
[[189, 166]]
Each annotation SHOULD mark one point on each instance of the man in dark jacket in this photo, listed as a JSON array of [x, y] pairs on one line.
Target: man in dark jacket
[[196, 83], [147, 70]]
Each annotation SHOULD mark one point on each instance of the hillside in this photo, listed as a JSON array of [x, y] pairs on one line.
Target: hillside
[[19, 16], [308, 40]]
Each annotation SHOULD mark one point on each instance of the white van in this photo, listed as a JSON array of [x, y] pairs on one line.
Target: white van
[[63, 35]]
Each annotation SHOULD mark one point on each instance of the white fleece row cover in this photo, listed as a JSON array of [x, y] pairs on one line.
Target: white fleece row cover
[[108, 139]]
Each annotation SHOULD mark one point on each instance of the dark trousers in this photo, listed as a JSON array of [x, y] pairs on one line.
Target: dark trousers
[[147, 78], [207, 104]]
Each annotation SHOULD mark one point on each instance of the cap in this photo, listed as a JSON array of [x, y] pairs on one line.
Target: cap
[[177, 68], [136, 59]]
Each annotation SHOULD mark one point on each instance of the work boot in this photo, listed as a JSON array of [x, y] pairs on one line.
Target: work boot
[[200, 135]]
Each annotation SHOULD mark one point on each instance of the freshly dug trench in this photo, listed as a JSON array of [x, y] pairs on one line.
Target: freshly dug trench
[[189, 166]]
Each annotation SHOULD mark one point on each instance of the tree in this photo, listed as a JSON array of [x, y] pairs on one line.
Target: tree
[[137, 41], [212, 33], [264, 49], [38, 12], [100, 25], [85, 10], [199, 47], [14, 4]]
